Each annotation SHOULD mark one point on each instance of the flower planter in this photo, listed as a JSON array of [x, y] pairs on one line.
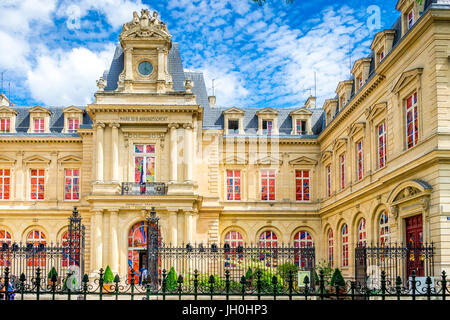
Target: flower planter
[[108, 287]]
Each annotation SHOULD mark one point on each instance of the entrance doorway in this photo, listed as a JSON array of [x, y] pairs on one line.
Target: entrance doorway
[[414, 243]]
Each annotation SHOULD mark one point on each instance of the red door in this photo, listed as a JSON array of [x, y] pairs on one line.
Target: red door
[[414, 241]]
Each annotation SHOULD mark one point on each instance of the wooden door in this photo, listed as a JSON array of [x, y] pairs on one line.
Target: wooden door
[[414, 242]]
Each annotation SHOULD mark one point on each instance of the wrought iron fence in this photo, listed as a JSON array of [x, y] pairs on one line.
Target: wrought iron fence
[[199, 288], [395, 260], [145, 188]]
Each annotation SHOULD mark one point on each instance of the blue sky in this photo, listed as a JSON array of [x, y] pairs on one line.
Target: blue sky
[[53, 51]]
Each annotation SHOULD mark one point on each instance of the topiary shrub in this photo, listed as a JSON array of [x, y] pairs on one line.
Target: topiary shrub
[[285, 268], [171, 282], [52, 272], [337, 279], [108, 277]]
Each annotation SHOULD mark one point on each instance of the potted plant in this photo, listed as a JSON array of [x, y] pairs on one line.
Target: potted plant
[[53, 275], [337, 281], [108, 280]]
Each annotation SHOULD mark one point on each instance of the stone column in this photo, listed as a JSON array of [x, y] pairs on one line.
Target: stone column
[[115, 151], [161, 66], [188, 227], [194, 226], [128, 63], [20, 177], [173, 152], [114, 240], [173, 228], [188, 151], [99, 168], [97, 244], [53, 177]]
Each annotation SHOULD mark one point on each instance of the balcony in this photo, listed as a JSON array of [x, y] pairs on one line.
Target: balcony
[[148, 189]]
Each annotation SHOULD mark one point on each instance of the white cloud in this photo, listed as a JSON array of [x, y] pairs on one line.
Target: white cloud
[[66, 78]]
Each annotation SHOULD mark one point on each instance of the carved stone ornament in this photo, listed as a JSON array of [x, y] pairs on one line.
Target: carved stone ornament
[[188, 85], [145, 26], [394, 212], [101, 84]]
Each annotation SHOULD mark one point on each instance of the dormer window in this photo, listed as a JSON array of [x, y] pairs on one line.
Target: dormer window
[[341, 104], [233, 126], [381, 55], [267, 126], [73, 124], [411, 18], [39, 125], [5, 125], [360, 82]]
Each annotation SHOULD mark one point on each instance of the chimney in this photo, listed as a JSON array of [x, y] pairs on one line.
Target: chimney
[[310, 103], [212, 101]]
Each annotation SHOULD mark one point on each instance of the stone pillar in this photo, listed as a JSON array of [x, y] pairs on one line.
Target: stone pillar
[[97, 244], [129, 63], [114, 240], [99, 168], [173, 152], [188, 151], [188, 227], [173, 228], [115, 151], [161, 66], [194, 227], [53, 178]]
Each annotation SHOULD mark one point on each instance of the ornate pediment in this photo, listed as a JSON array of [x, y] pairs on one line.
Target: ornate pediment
[[376, 110], [356, 127], [39, 109], [36, 159], [406, 193], [73, 109], [406, 78], [326, 155], [145, 27], [267, 111], [339, 143], [7, 110], [301, 111], [235, 159], [70, 160], [234, 110], [303, 161], [6, 159], [269, 160]]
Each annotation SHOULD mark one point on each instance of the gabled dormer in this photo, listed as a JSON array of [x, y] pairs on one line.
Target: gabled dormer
[[410, 13], [330, 107], [39, 120], [7, 119], [267, 121], [73, 119], [360, 71], [4, 101], [301, 122], [344, 92], [382, 44], [233, 121]]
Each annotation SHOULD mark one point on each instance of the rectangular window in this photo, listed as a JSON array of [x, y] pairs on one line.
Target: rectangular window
[[5, 182], [412, 121], [38, 125], [73, 124], [233, 185], [37, 184], [268, 185], [144, 163], [360, 82], [301, 126], [381, 131], [342, 170], [329, 180], [5, 125], [71, 184], [381, 56], [267, 126], [359, 160], [410, 19], [302, 185]]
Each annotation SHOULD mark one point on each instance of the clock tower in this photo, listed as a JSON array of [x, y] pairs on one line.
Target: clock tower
[[146, 43]]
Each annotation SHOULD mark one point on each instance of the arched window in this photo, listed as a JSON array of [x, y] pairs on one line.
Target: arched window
[[268, 242], [384, 231], [303, 239], [5, 237], [330, 247], [345, 245], [362, 234], [233, 248], [36, 255], [304, 249]]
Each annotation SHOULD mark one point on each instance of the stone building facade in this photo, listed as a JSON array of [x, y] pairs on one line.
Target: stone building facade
[[370, 166]]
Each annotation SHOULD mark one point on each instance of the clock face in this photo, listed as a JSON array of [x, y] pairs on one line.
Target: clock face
[[145, 68]]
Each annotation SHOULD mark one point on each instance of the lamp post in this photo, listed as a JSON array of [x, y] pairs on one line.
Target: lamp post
[[152, 248]]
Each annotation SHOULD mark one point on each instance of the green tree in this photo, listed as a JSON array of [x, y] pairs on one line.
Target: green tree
[[172, 280], [337, 279], [108, 277]]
